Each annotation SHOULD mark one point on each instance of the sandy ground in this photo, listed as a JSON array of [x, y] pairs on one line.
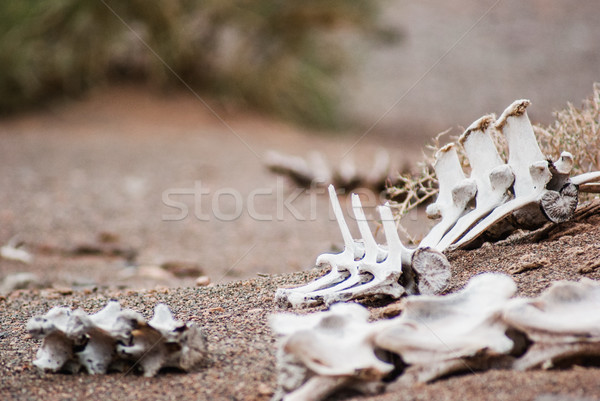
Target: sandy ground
[[157, 176], [163, 176], [241, 365]]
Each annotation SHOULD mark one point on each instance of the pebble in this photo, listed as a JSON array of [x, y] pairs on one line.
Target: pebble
[[202, 281]]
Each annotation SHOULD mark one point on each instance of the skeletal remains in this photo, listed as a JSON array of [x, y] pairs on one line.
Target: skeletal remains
[[477, 328], [315, 170], [497, 197], [115, 339]]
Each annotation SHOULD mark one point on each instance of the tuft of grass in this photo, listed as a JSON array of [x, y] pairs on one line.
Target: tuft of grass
[[575, 130], [279, 56]]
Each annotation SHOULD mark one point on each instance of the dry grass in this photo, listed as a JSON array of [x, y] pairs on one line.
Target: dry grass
[[576, 131]]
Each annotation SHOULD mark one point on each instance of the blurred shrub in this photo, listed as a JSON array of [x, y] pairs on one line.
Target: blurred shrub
[[279, 56]]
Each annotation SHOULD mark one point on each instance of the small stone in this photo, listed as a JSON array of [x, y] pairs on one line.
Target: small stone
[[154, 272], [202, 281], [528, 262], [182, 269], [264, 389]]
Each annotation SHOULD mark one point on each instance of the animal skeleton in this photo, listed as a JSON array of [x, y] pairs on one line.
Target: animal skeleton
[[114, 339], [563, 323], [436, 336], [315, 170], [313, 357], [525, 192], [364, 268]]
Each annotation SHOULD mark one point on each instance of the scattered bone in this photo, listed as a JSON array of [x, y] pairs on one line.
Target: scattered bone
[[20, 281], [115, 339], [527, 262], [14, 250], [322, 352], [477, 328], [382, 277], [315, 170], [293, 166], [563, 323], [439, 335]]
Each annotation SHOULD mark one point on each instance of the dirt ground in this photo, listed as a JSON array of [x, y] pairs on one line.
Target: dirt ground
[[241, 362], [106, 190]]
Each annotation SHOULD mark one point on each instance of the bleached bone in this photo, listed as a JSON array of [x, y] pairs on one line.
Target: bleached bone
[[321, 171], [295, 167], [342, 264], [563, 323], [14, 250], [455, 192], [380, 170], [492, 177], [385, 274], [372, 254], [315, 170], [585, 178], [438, 335], [322, 352], [73, 339], [532, 173], [164, 342], [112, 339], [346, 175]]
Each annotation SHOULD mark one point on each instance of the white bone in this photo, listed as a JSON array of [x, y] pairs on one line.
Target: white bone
[[342, 264], [455, 192], [14, 250], [380, 169], [531, 170], [586, 178], [164, 342], [346, 174], [321, 171], [56, 351], [372, 251], [372, 254], [386, 273], [562, 322], [114, 338], [492, 177], [321, 352], [294, 166], [435, 330]]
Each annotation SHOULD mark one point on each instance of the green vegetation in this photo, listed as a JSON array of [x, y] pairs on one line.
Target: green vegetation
[[279, 56]]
